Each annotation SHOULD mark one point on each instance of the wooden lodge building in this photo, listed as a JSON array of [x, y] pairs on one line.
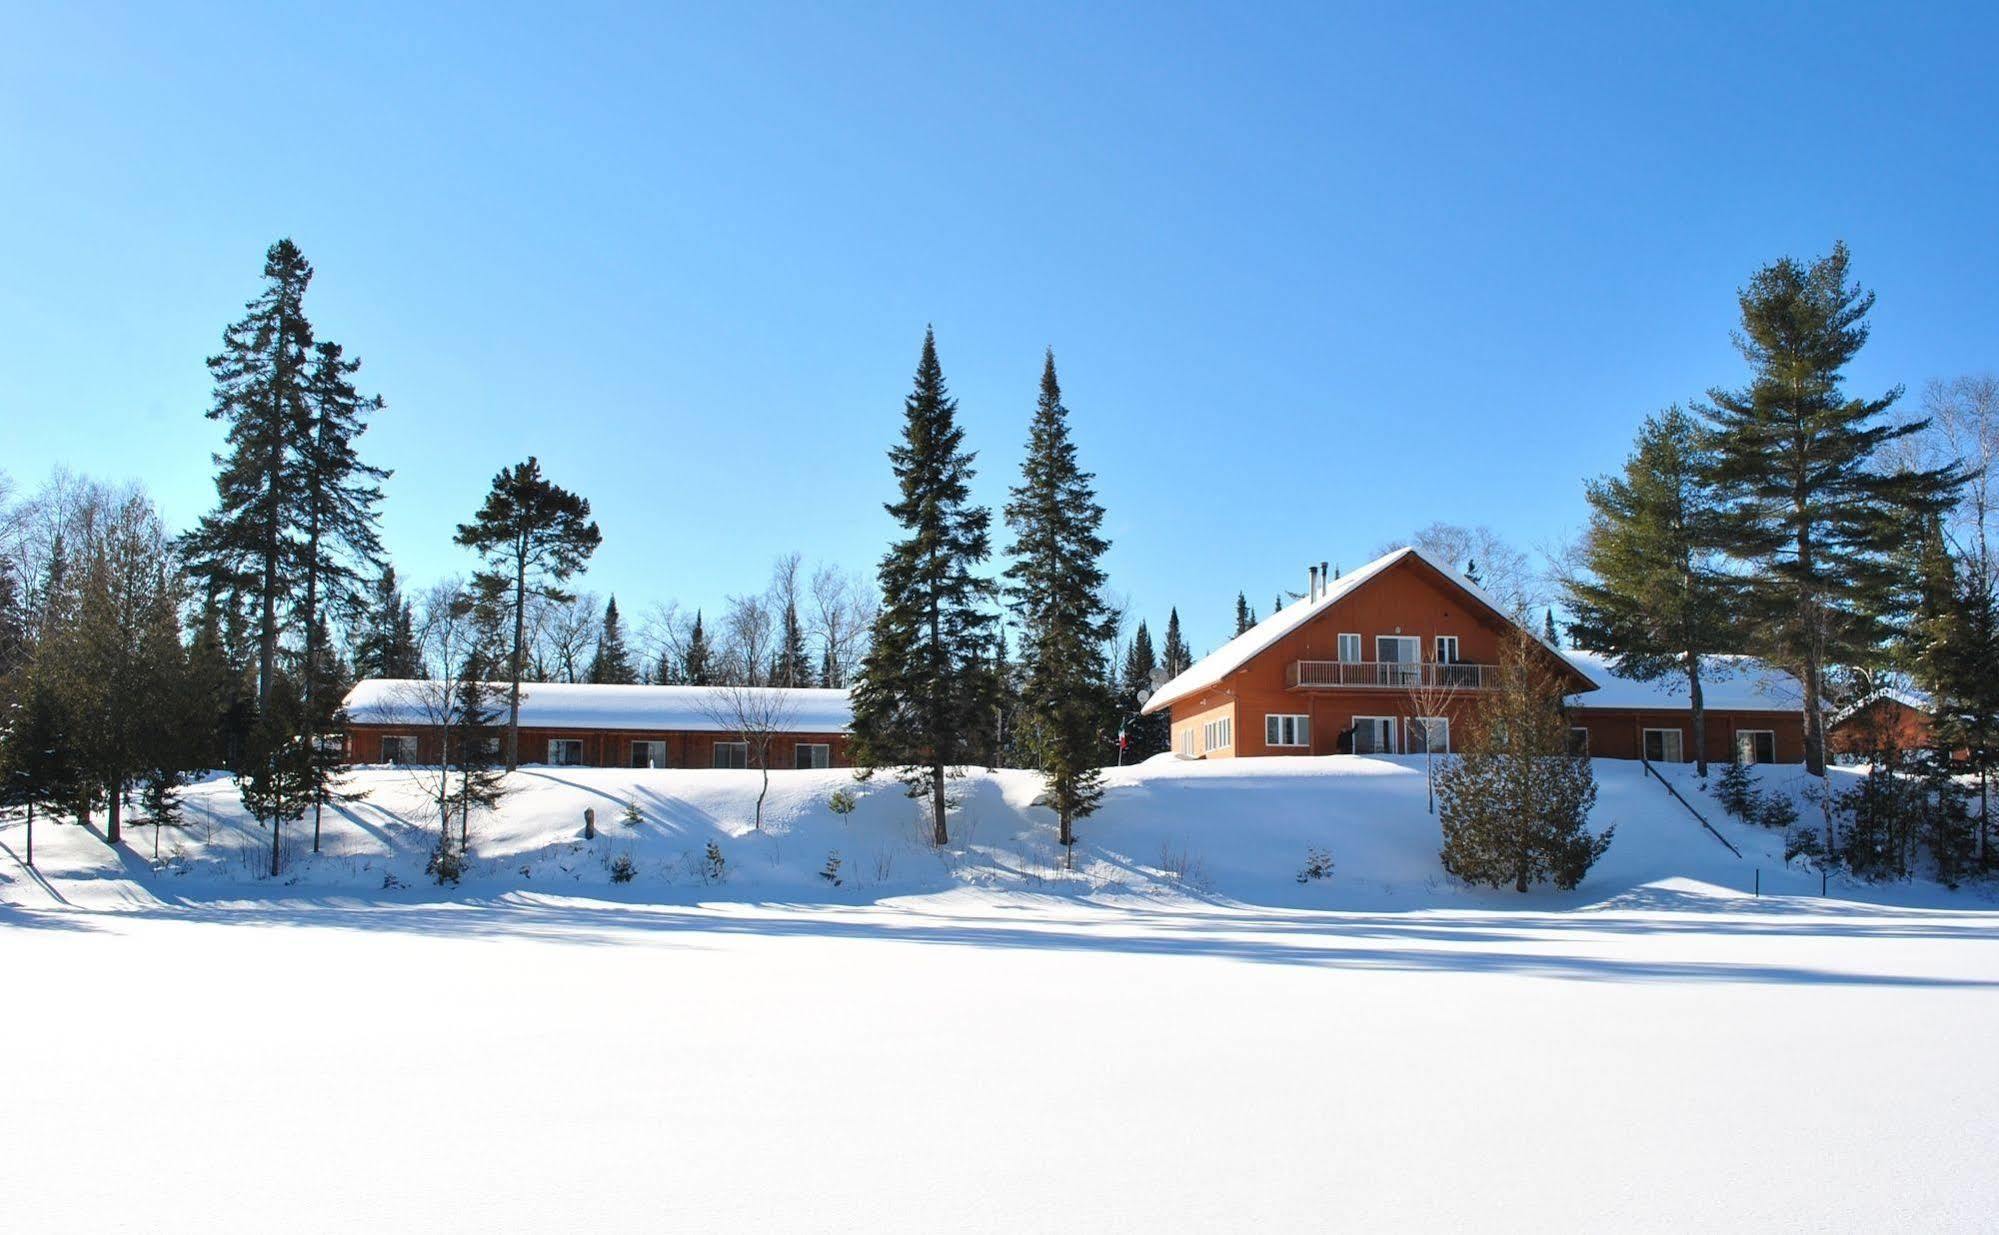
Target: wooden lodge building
[[1389, 659], [573, 724]]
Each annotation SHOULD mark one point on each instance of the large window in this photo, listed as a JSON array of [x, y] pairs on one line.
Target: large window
[[648, 754], [732, 754], [1578, 741], [1401, 658], [1663, 746], [1281, 730], [1430, 733], [1374, 735], [565, 752], [398, 748], [1350, 648], [1187, 741], [813, 755], [1218, 734], [1447, 649], [1755, 746]]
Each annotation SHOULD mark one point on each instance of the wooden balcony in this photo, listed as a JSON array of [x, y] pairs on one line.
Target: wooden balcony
[[1388, 675]]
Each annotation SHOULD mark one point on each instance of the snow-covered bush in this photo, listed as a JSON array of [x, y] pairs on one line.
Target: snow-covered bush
[[1736, 791], [831, 871], [842, 803], [633, 815], [713, 867], [446, 862], [1318, 865], [623, 868], [1776, 811]]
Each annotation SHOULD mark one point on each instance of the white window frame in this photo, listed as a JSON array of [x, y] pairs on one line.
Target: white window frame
[[1584, 731], [1388, 726], [1443, 657], [1679, 744], [652, 745], [1349, 648], [1752, 734], [1187, 741], [1291, 730], [716, 757], [402, 741], [1425, 722], [555, 744], [818, 762], [1217, 734]]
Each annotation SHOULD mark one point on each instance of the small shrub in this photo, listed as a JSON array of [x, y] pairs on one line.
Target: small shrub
[[1805, 843], [390, 883], [633, 816], [842, 803], [1776, 811], [1736, 791], [1318, 865], [623, 868], [714, 868], [446, 863], [831, 871]]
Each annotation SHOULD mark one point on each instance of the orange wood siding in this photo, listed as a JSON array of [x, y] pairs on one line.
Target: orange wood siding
[[1616, 733], [602, 748], [1878, 726]]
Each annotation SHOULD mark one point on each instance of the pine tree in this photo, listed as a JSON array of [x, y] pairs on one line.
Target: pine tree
[[262, 378], [792, 665], [925, 687], [1175, 656], [1958, 665], [1548, 631], [476, 707], [324, 680], [1245, 617], [385, 646], [1514, 803], [612, 665], [1656, 594], [220, 696], [696, 666], [276, 781], [1812, 513], [38, 767], [13, 627], [533, 534], [1145, 736], [1054, 589]]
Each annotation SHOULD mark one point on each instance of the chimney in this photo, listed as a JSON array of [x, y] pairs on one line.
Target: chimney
[[1325, 580], [1311, 582]]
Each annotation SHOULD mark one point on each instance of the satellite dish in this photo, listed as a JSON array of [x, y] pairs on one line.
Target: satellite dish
[[1145, 694], [1159, 676]]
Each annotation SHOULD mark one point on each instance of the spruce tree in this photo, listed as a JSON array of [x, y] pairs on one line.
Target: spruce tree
[[262, 375], [1245, 617], [1174, 655], [697, 668], [1958, 665], [385, 644], [792, 664], [277, 782], [1145, 736], [533, 534], [38, 765], [1548, 631], [612, 664], [1812, 513], [1513, 802], [1655, 593], [1054, 590], [925, 684]]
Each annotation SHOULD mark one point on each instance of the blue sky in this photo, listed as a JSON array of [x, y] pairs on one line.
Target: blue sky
[[1314, 276]]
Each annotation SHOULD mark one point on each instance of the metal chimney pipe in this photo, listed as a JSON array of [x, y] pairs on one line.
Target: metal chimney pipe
[[1311, 582], [1325, 580]]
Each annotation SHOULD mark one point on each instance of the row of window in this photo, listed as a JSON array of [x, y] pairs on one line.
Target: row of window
[[568, 752], [1372, 735], [1398, 649], [1668, 745]]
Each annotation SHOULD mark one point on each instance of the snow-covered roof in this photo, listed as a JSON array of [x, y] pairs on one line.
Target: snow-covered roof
[[1259, 638], [1908, 697], [575, 705], [1728, 683]]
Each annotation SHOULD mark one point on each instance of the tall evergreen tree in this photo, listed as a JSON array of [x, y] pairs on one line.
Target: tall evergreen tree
[[1174, 655], [38, 766], [533, 534], [1548, 631], [385, 644], [1957, 664], [925, 685], [1054, 590], [697, 666], [1812, 513], [792, 665], [262, 378], [1656, 594], [1245, 617], [277, 782], [612, 664], [1145, 736]]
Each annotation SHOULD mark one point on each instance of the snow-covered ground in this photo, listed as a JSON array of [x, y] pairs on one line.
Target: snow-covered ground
[[1178, 1035]]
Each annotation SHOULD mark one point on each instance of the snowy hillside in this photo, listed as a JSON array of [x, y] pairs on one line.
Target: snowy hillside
[[1227, 831]]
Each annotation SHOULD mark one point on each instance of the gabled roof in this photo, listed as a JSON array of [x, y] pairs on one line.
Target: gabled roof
[[1908, 697], [1728, 683], [1261, 637], [576, 705]]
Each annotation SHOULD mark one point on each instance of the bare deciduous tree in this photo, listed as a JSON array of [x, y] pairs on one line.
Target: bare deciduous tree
[[744, 704]]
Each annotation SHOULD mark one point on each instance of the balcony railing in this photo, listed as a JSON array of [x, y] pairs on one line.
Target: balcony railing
[[1388, 674]]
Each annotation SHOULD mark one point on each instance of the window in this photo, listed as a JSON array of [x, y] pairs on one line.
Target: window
[[1287, 730], [1374, 735], [1430, 733], [1578, 741], [1663, 746], [1187, 741], [1217, 734], [1755, 746], [813, 755], [732, 754], [648, 754], [565, 752], [1447, 649], [398, 749], [1350, 648], [1401, 658]]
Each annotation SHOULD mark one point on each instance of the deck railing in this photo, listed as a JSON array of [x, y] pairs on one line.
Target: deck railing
[[1389, 674]]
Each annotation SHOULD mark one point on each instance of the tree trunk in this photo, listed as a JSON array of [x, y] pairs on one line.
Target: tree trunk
[[1697, 702], [315, 825], [520, 638], [113, 818], [277, 826], [765, 764], [938, 835], [31, 836]]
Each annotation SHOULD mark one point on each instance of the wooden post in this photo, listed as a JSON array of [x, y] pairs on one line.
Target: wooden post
[[1759, 881], [589, 823]]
